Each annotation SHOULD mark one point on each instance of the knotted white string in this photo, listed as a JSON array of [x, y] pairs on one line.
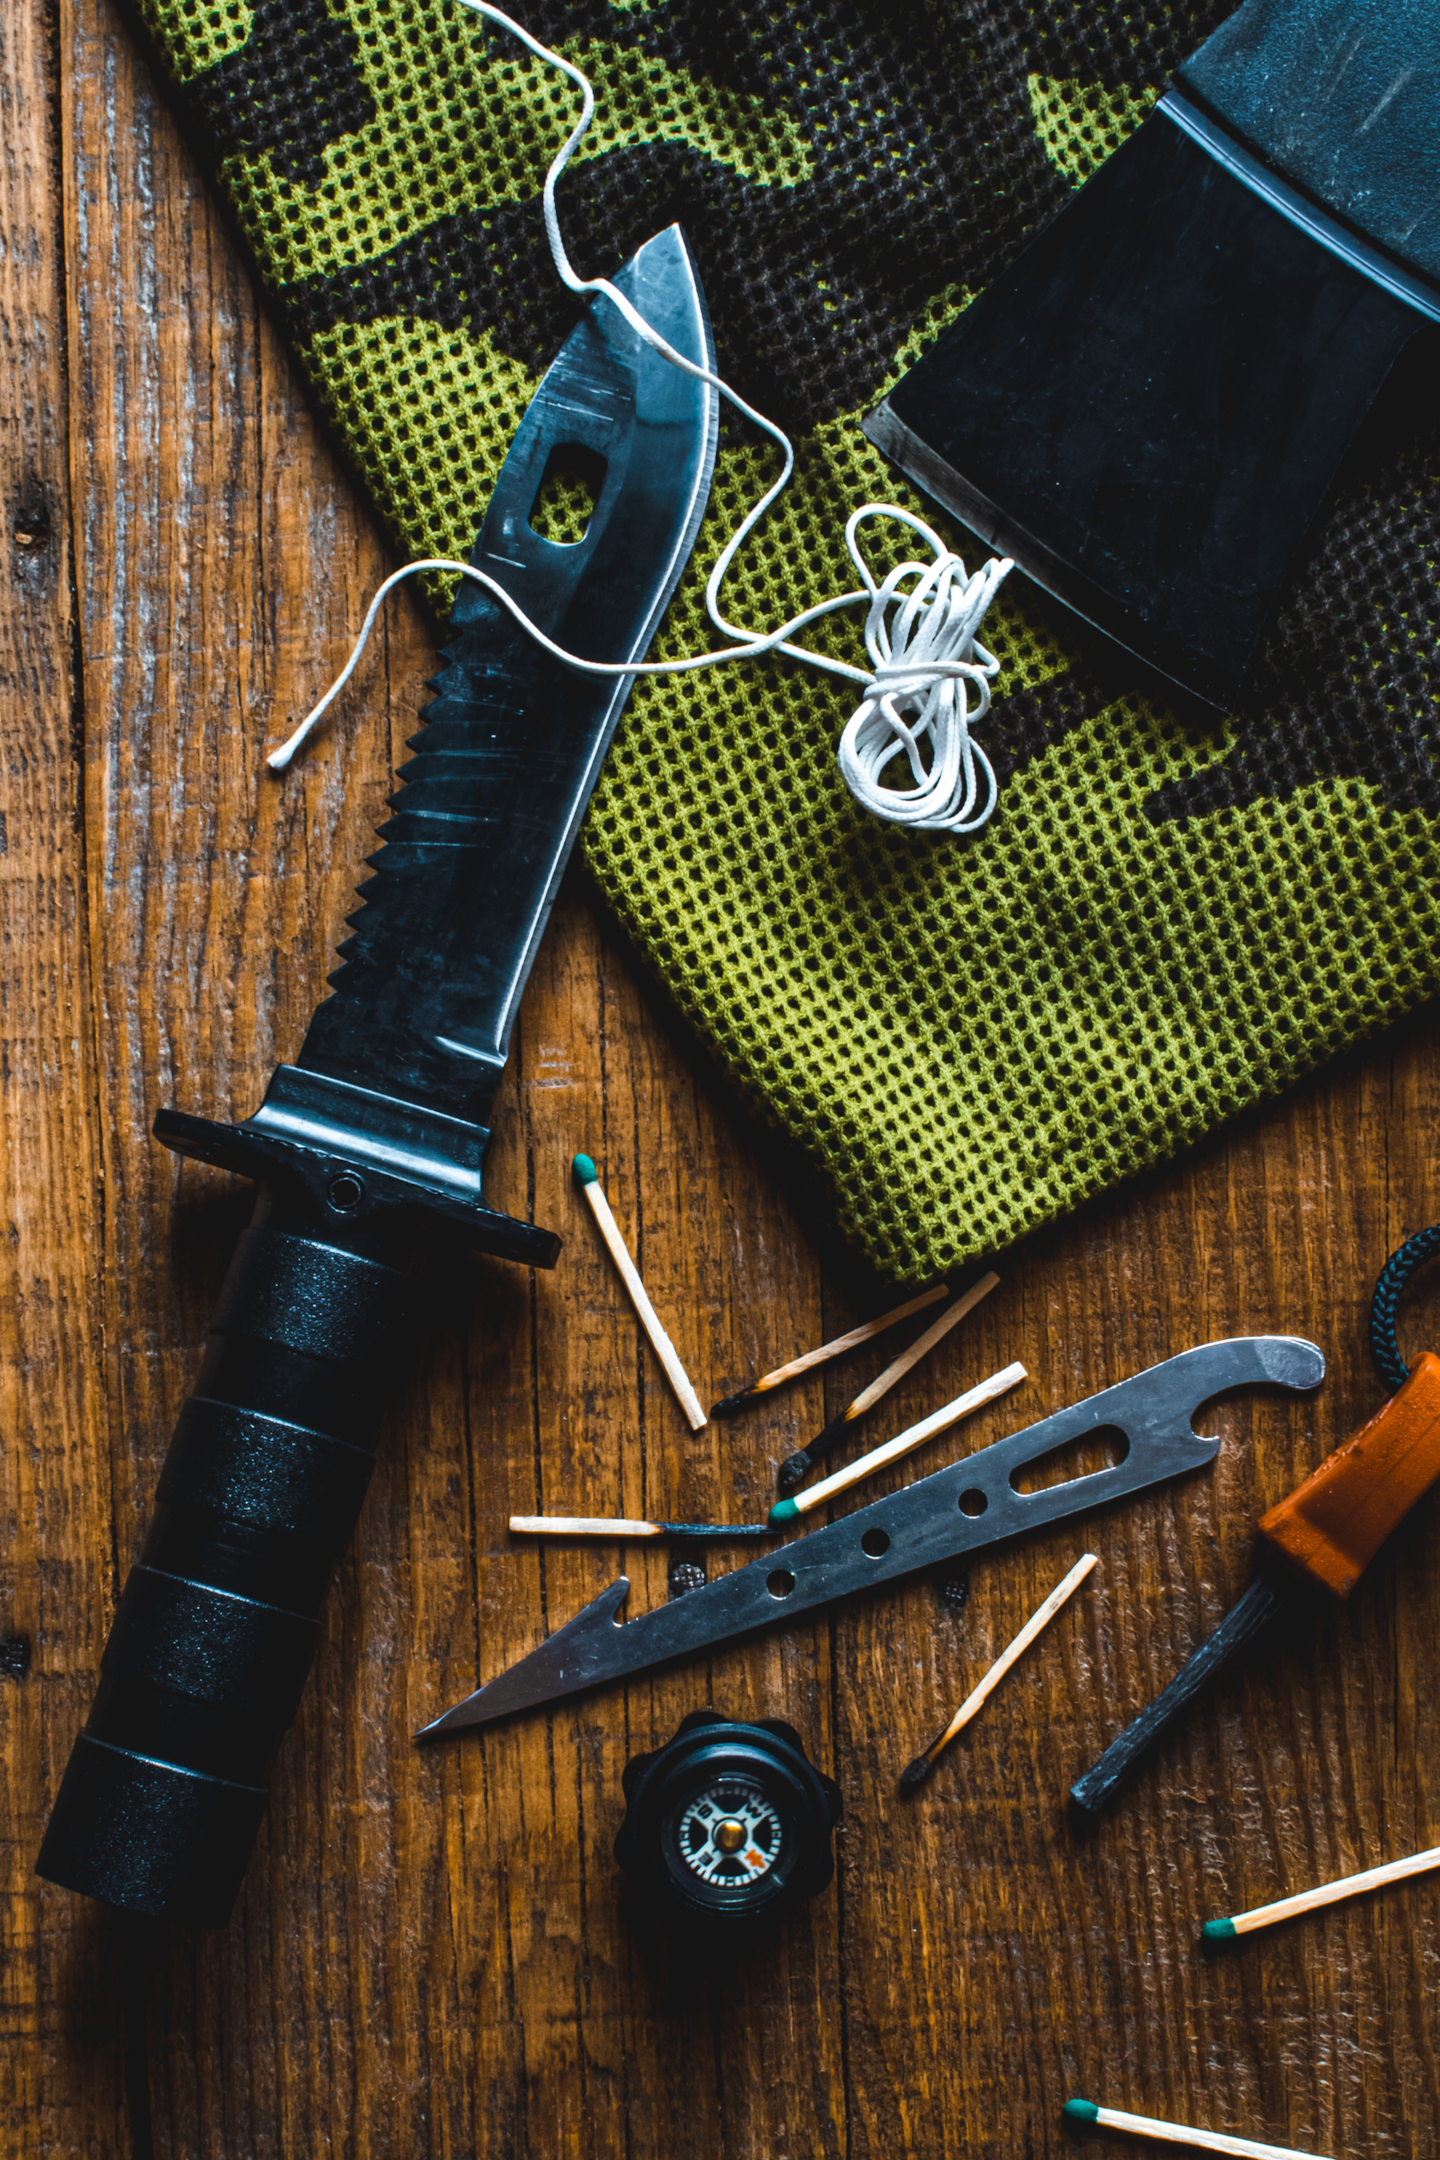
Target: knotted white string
[[922, 663], [924, 658]]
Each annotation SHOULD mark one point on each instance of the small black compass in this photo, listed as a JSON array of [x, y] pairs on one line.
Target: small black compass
[[729, 1823]]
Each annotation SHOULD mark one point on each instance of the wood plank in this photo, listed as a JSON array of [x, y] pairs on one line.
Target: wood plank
[[1283, 1775]]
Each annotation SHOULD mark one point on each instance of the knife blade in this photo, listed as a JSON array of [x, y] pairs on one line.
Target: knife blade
[[1147, 409], [372, 1146], [962, 1509]]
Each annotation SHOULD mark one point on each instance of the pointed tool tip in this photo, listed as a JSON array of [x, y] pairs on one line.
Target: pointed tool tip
[[572, 1658], [438, 1727], [483, 1707]]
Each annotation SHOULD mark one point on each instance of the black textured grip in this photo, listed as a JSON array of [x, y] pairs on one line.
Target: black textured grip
[[219, 1619], [262, 1470]]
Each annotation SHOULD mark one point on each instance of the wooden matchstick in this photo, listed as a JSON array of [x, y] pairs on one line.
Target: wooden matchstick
[[916, 1772], [793, 1471], [1085, 2111], [587, 1178], [1330, 1893], [623, 1526], [785, 1511], [863, 1334]]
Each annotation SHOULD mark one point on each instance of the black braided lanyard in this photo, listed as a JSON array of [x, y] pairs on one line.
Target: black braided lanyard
[[1394, 1277]]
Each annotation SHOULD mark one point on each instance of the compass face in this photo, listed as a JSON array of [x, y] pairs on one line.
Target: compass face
[[730, 1833], [728, 1826]]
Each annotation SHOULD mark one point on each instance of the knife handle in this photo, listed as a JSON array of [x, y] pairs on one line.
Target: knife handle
[[219, 1617]]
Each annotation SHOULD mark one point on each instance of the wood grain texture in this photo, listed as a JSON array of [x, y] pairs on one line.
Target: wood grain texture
[[432, 1954]]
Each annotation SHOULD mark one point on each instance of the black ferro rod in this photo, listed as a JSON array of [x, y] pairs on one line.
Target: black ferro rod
[[1320, 1537], [369, 1151]]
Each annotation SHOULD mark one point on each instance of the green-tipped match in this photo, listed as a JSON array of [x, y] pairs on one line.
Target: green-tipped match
[[783, 1511], [1218, 1930], [1082, 2111], [585, 1170]]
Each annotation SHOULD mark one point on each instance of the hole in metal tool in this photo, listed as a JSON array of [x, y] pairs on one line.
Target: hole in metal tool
[[876, 1543], [1100, 1449], [780, 1582], [973, 1502], [565, 500]]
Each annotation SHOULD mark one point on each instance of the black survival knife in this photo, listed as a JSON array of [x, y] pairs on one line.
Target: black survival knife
[[374, 1141], [973, 1503]]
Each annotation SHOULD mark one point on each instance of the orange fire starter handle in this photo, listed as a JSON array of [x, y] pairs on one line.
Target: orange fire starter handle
[[1334, 1523]]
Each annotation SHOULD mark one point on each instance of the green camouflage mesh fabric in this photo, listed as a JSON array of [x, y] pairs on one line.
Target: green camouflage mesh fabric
[[1166, 920]]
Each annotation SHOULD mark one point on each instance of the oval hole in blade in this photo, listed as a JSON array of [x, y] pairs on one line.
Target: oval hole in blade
[[566, 497], [1100, 1449]]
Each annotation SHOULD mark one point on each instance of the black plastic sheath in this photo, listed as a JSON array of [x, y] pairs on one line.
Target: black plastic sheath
[[1093, 1793], [219, 1618]]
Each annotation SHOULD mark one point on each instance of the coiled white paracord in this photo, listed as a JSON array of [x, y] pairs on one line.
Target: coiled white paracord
[[919, 631]]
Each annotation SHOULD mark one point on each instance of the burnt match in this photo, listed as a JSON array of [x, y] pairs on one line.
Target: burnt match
[[866, 1332]]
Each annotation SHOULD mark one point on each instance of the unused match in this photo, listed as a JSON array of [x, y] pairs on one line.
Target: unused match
[[916, 1772], [625, 1526], [842, 1343], [1330, 1893], [587, 1177], [1085, 2111], [800, 1464]]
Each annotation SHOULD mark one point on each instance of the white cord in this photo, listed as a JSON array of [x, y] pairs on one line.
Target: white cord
[[922, 661]]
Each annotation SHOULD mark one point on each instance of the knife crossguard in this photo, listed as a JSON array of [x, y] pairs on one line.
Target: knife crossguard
[[360, 1156]]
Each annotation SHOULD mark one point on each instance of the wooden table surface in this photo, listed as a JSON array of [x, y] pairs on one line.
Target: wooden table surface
[[430, 1954]]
